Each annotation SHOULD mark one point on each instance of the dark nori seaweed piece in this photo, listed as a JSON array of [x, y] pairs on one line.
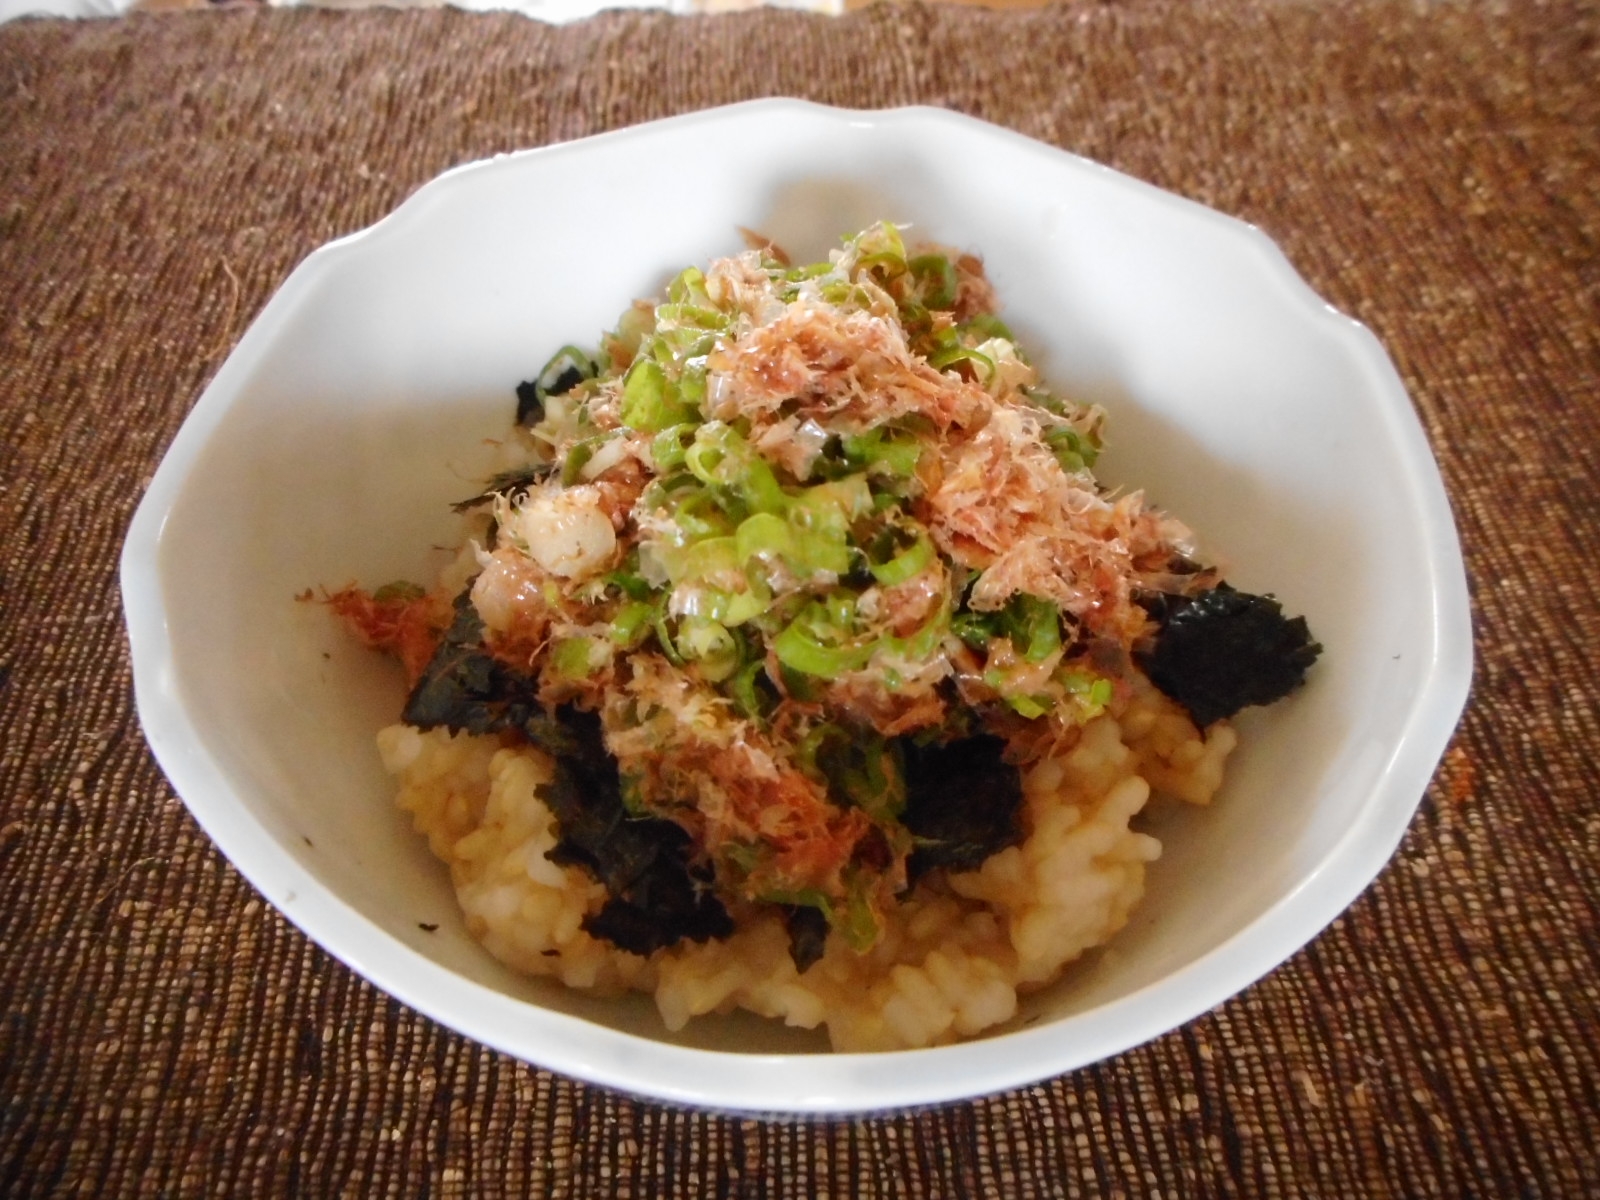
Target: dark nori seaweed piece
[[963, 803], [510, 484], [560, 375], [808, 934], [1223, 650], [464, 688], [530, 402], [656, 898]]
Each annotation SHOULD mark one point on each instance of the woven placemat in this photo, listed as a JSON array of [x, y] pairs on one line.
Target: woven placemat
[[1430, 167]]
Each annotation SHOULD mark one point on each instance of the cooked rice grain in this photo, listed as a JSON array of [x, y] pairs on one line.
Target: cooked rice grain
[[955, 954]]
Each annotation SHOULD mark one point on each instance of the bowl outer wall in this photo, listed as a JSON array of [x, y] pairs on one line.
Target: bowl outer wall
[[808, 205]]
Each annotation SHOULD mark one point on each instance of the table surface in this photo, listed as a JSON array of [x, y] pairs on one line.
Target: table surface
[[543, 10], [1430, 168]]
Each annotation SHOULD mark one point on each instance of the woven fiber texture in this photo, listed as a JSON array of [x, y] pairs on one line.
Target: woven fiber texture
[[1431, 168]]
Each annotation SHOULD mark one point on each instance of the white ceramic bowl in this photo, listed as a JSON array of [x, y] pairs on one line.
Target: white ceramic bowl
[[329, 445]]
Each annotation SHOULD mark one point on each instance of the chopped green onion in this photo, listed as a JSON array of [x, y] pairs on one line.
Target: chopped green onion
[[691, 316], [667, 491], [721, 457], [708, 558], [809, 271], [957, 354], [937, 279], [688, 288], [760, 489], [1073, 450], [692, 385], [729, 608], [578, 456], [622, 347], [887, 262], [567, 368], [882, 239], [680, 344], [797, 685], [631, 625], [764, 535], [819, 520], [711, 645], [1029, 706], [844, 294], [840, 607], [799, 649], [819, 549], [847, 498], [976, 629], [699, 515], [1035, 626], [650, 401], [856, 923], [664, 639], [879, 448], [704, 459], [921, 645], [1040, 398], [805, 897], [579, 657], [917, 322], [744, 687], [1092, 692], [630, 583], [987, 325], [906, 565], [805, 542], [667, 448]]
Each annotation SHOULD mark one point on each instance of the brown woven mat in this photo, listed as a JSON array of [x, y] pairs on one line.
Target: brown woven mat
[[1431, 168]]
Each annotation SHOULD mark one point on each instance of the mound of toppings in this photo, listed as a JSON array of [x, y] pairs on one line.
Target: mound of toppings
[[798, 570]]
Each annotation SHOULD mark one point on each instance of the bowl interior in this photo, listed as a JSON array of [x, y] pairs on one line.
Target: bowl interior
[[360, 405]]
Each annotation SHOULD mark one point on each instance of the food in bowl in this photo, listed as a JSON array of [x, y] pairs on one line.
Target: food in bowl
[[797, 662]]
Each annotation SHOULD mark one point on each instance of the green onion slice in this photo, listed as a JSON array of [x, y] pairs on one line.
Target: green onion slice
[[650, 401], [579, 657], [631, 625], [943, 359], [799, 647], [908, 564], [936, 279], [712, 645]]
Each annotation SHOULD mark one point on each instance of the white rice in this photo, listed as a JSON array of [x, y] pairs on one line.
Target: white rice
[[955, 955]]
